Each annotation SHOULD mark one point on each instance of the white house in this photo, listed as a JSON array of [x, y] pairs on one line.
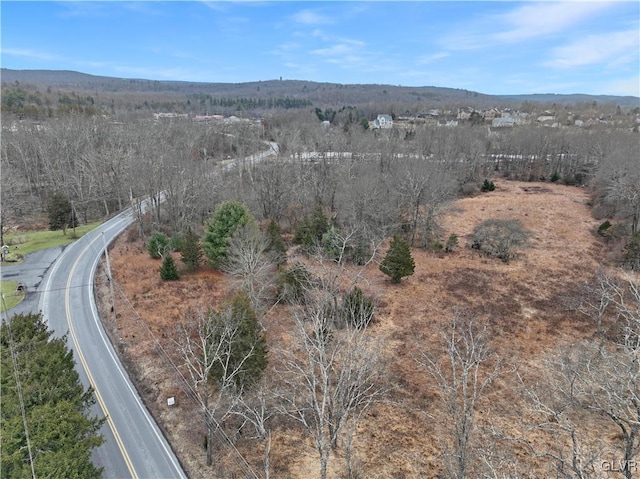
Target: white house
[[383, 121], [503, 122]]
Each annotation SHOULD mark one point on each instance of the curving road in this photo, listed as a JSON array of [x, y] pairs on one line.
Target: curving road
[[135, 447]]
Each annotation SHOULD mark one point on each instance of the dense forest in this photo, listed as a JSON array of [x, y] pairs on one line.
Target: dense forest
[[290, 204]]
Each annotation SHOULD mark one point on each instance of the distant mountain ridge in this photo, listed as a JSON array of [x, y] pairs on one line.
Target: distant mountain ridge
[[317, 92]]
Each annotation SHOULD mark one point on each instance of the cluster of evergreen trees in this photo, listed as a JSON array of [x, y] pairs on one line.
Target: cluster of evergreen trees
[[250, 103], [46, 430], [36, 104]]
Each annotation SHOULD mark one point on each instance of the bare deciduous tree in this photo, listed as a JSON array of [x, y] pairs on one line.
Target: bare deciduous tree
[[273, 182], [257, 408], [330, 378], [462, 376], [247, 260], [571, 455], [206, 342], [592, 389], [597, 298], [424, 188]]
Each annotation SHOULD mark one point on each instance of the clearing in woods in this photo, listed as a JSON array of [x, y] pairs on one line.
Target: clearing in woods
[[523, 301]]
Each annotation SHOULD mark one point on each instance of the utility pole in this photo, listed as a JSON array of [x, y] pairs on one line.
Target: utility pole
[[109, 276], [74, 216], [16, 374]]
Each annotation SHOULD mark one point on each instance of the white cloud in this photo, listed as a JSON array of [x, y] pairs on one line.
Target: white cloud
[[525, 22], [344, 47], [545, 18], [285, 48], [143, 8], [214, 5], [593, 49], [310, 17], [32, 54], [86, 9], [427, 59]]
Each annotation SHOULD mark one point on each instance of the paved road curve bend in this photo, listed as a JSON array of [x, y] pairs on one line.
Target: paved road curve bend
[[134, 447]]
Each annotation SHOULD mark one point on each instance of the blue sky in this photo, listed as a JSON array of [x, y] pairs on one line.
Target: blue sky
[[505, 47]]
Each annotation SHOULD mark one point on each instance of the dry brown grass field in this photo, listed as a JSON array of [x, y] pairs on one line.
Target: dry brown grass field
[[523, 301]]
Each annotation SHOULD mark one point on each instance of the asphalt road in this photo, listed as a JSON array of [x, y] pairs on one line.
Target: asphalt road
[[134, 446]]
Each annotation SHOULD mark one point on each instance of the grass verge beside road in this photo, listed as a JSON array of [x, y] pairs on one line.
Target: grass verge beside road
[[21, 244], [10, 295]]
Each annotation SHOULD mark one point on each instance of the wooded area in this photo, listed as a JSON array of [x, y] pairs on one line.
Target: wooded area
[[292, 215]]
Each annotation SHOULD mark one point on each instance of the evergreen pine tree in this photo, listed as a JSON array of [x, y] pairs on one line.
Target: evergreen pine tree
[[398, 261], [228, 217], [276, 246], [60, 212], [311, 228], [357, 309], [168, 270], [158, 244], [57, 406], [191, 250], [248, 347]]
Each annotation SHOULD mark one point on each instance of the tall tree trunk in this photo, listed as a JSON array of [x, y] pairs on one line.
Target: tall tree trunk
[[347, 453], [208, 420], [324, 460], [209, 443], [267, 455]]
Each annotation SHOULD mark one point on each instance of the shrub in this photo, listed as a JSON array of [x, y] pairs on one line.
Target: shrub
[[359, 252], [357, 309], [500, 238], [176, 242], [487, 185], [352, 248], [294, 283], [451, 243], [158, 245], [332, 243], [554, 177], [604, 228]]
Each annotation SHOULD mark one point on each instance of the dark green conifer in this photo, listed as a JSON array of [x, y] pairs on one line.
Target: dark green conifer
[[398, 261]]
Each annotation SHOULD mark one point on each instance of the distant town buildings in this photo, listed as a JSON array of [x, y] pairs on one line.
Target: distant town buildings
[[494, 118], [158, 116]]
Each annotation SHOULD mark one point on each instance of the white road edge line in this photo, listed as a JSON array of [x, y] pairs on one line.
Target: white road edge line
[[134, 392]]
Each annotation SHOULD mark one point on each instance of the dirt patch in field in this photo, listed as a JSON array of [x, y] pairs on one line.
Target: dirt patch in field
[[523, 301]]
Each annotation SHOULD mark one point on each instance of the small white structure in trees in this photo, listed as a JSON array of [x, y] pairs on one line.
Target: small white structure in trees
[[383, 121]]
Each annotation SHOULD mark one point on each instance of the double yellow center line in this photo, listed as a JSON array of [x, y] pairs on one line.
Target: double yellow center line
[[76, 344]]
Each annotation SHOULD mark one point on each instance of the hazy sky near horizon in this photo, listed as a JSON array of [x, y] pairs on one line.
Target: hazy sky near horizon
[[505, 47]]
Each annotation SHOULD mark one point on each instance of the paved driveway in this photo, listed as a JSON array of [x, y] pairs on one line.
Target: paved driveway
[[30, 273]]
